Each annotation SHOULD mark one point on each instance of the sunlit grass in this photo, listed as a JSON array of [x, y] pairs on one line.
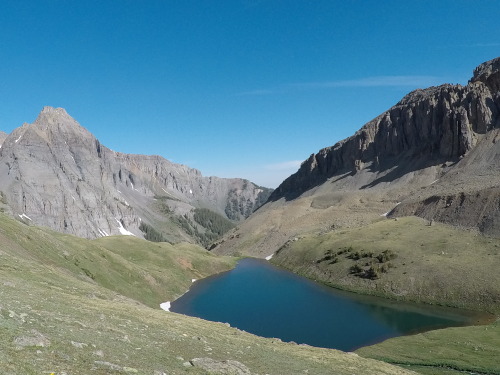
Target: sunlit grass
[[73, 306], [435, 264]]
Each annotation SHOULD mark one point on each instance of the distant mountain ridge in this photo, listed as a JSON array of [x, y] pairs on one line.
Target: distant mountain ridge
[[435, 154], [56, 173]]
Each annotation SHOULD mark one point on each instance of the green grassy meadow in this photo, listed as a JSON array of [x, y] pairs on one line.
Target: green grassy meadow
[[148, 272], [474, 349], [410, 260], [414, 261], [74, 306]]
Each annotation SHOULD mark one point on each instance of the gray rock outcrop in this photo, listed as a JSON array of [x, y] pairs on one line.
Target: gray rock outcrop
[[451, 129], [426, 127], [34, 338], [57, 174], [3, 135]]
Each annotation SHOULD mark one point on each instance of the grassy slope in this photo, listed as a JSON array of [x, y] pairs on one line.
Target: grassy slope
[[73, 306], [148, 272], [435, 264], [446, 351]]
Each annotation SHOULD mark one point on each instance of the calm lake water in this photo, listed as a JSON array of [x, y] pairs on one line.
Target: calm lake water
[[260, 298]]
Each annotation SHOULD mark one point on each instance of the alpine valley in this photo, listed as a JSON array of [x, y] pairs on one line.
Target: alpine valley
[[430, 164], [408, 208]]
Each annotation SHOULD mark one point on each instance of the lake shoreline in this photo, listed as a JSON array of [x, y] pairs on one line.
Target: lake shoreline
[[481, 317], [461, 317]]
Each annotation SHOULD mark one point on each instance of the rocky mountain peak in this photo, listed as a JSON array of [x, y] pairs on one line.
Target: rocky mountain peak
[[435, 92], [489, 74], [54, 111], [51, 118], [54, 172]]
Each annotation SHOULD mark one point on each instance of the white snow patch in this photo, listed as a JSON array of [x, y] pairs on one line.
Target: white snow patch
[[24, 216], [165, 306], [190, 191], [433, 182], [18, 139], [193, 280], [73, 198], [131, 184], [269, 257], [119, 191], [73, 159], [123, 230], [126, 203]]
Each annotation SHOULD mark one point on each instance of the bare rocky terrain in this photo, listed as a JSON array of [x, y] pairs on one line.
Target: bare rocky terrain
[[3, 135], [55, 173], [435, 154]]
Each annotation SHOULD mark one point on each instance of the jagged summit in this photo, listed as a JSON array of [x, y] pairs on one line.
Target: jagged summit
[[489, 74], [50, 116], [58, 121], [53, 111], [422, 94], [55, 173], [53, 127]]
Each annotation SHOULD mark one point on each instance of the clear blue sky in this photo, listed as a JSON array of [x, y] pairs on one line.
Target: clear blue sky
[[235, 88]]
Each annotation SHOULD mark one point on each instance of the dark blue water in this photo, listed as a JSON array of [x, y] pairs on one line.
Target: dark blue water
[[260, 298]]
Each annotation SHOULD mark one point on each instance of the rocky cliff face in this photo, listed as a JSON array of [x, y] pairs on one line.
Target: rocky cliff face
[[55, 173], [425, 128]]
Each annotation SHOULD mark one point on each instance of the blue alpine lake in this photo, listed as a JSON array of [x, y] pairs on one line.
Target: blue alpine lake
[[265, 300]]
